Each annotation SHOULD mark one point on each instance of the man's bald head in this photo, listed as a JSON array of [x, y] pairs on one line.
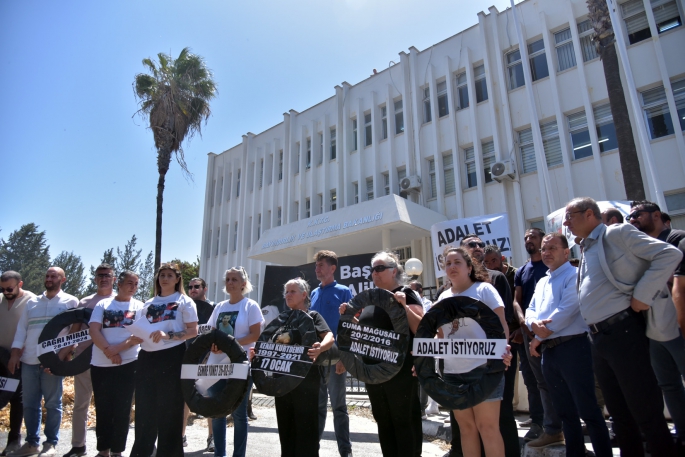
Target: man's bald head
[[54, 278]]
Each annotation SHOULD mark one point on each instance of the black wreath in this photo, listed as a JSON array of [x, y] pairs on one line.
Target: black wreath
[[224, 403], [354, 363], [6, 395], [298, 327], [50, 359], [467, 394]]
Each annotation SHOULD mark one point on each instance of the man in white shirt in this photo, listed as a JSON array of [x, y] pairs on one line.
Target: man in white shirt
[[37, 383]]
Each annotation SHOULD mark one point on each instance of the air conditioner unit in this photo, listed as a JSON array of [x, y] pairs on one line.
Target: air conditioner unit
[[501, 171], [410, 183]]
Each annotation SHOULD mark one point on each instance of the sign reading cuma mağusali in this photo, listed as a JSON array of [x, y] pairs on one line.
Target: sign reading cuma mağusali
[[374, 343]]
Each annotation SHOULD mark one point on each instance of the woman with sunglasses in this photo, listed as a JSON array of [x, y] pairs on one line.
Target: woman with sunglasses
[[395, 403], [241, 318], [480, 422], [113, 364], [172, 316]]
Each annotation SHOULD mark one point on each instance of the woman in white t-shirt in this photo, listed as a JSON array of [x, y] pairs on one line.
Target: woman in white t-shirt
[[242, 318], [481, 421], [171, 318], [113, 364]]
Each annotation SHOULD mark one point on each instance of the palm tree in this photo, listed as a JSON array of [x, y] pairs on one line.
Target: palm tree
[[175, 95], [604, 41]]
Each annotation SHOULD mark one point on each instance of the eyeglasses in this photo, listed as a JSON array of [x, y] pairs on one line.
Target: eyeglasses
[[473, 244], [568, 216], [6, 289], [380, 268], [194, 286], [635, 214]]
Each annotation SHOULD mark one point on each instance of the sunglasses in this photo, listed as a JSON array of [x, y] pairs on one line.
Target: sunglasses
[[6, 289], [195, 286], [380, 268], [635, 214], [473, 244]]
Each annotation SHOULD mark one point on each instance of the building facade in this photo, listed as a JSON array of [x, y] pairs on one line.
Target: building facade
[[521, 94]]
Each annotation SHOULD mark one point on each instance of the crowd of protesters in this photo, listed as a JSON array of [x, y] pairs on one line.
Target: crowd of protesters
[[608, 331]]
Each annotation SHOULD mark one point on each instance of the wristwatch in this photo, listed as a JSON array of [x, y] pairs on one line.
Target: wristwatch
[[171, 335]]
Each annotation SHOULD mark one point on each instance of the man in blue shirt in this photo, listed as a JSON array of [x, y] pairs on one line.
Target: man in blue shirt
[[326, 300], [560, 331]]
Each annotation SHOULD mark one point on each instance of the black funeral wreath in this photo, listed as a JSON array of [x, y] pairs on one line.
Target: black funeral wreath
[[467, 394], [292, 326], [6, 395], [50, 359], [224, 403], [354, 363]]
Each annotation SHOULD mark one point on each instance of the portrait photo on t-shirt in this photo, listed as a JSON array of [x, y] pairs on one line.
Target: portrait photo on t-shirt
[[226, 322], [117, 318], [161, 312]]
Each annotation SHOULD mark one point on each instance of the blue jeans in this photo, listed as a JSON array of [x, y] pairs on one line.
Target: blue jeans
[[668, 361], [38, 384], [551, 421], [239, 428], [341, 421], [571, 381]]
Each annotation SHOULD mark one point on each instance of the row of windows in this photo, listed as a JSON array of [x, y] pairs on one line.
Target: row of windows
[[657, 113], [666, 17]]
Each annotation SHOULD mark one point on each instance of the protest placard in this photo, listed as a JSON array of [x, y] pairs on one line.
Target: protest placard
[[284, 359], [61, 342], [9, 384], [374, 343], [444, 348]]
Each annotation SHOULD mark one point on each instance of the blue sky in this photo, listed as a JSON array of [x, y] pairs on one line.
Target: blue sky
[[77, 162]]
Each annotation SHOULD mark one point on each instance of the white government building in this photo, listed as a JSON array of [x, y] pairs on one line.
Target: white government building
[[510, 115]]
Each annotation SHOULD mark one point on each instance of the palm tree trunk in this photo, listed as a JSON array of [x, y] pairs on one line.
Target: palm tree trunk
[[163, 162]]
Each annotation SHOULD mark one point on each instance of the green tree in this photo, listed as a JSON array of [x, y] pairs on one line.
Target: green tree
[[146, 277], [73, 269], [174, 97], [627, 153], [189, 270], [108, 257], [129, 258], [27, 252]]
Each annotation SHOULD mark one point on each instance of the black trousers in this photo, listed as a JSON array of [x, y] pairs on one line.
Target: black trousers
[[395, 406], [620, 355], [297, 415], [16, 413], [159, 403], [113, 394]]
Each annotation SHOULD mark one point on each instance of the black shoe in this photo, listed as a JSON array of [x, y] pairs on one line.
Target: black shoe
[[185, 441], [76, 452]]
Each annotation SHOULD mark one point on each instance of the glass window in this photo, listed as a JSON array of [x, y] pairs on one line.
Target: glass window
[[515, 70], [448, 173], [218, 240], [368, 138], [297, 158], [580, 135], [427, 117], [334, 200], [307, 208], [259, 225], [470, 162], [566, 58], [527, 151], [679, 95], [401, 174], [320, 148], [481, 85], [235, 235], [538, 60], [384, 122], [462, 91], [587, 46], [237, 187], [431, 176], [278, 220], [280, 165], [606, 133], [488, 159], [333, 145], [399, 118], [635, 18], [309, 153], [551, 143], [227, 231], [296, 213], [386, 183], [355, 188], [675, 202], [656, 111], [443, 109], [229, 189], [261, 172], [320, 203], [354, 134], [369, 188], [666, 15]]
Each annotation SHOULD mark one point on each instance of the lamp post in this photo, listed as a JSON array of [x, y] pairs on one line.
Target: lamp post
[[413, 267]]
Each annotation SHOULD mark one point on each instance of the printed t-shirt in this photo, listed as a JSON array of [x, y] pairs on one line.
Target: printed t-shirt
[[236, 319], [113, 315], [468, 328], [168, 314]]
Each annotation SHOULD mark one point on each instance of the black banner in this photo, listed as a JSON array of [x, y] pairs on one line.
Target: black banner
[[284, 359], [371, 342]]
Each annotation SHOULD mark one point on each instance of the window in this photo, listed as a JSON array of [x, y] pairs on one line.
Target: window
[[369, 188], [470, 162], [297, 162], [481, 85], [268, 219], [448, 173], [355, 188], [443, 109], [229, 189], [334, 200], [307, 208], [309, 153], [271, 169], [462, 91], [666, 15], [218, 239], [635, 17], [354, 134], [237, 187], [386, 183], [227, 230], [368, 130], [538, 60], [679, 95], [586, 32], [566, 58], [333, 155], [208, 243], [675, 202], [235, 236], [250, 177], [261, 173], [211, 194], [527, 151], [551, 143], [656, 111], [280, 165], [296, 214], [320, 148], [427, 105], [431, 177], [278, 217], [320, 203], [399, 118], [580, 136], [384, 122], [259, 226], [248, 233], [488, 159], [515, 70], [606, 133]]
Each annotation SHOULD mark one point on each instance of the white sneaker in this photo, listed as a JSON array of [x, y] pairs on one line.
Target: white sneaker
[[48, 449], [26, 450]]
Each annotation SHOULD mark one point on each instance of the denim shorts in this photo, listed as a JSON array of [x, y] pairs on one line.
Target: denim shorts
[[496, 395]]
